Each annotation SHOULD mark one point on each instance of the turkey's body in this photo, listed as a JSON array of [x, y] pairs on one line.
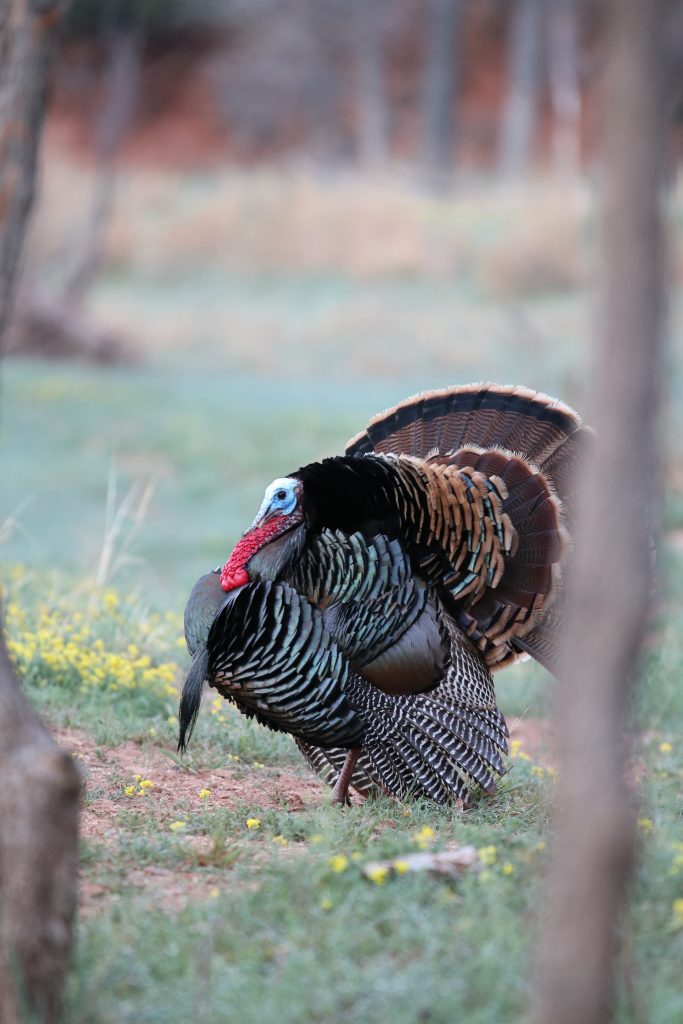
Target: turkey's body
[[366, 606]]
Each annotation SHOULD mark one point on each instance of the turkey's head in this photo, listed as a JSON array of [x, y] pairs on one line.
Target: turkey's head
[[274, 538]]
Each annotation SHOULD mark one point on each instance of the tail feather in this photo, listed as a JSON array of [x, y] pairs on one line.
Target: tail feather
[[453, 761], [191, 699], [486, 753], [429, 744], [491, 728], [425, 779], [392, 768], [486, 415], [543, 641], [459, 749]]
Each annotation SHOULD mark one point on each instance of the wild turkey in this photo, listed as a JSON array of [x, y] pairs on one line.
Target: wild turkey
[[365, 607]]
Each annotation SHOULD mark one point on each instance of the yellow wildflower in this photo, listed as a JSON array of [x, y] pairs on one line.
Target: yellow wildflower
[[676, 865], [326, 904], [487, 855], [129, 791], [508, 868], [401, 866], [257, 764], [280, 840], [204, 794], [177, 826], [425, 837], [665, 747], [537, 770], [645, 824], [253, 823], [677, 908], [339, 863], [138, 778], [540, 846], [515, 747], [145, 784], [377, 874]]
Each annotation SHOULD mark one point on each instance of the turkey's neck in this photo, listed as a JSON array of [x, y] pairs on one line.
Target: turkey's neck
[[270, 561]]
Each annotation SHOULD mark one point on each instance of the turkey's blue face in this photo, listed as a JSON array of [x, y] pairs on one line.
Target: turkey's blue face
[[279, 513], [281, 499]]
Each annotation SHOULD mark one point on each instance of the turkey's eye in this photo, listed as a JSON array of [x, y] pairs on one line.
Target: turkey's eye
[[281, 495]]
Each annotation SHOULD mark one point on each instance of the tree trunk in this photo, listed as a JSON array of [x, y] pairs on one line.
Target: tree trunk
[[440, 78], [39, 792], [611, 584], [521, 101], [120, 86], [327, 133], [565, 94], [373, 116]]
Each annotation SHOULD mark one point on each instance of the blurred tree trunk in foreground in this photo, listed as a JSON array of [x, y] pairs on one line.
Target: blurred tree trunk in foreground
[[39, 791], [611, 583], [518, 125], [440, 78]]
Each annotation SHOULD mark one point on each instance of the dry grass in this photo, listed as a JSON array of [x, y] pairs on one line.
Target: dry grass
[[509, 241]]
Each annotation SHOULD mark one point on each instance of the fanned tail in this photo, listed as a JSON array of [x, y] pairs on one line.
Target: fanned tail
[[534, 445], [546, 432]]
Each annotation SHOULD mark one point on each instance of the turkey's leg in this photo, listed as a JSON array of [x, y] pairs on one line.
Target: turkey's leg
[[340, 793]]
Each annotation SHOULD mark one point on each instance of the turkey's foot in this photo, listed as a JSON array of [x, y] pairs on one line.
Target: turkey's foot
[[340, 793]]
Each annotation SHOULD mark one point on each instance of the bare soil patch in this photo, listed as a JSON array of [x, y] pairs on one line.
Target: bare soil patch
[[175, 789], [108, 770]]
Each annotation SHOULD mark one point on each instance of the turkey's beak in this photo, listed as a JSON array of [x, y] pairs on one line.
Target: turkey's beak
[[263, 516]]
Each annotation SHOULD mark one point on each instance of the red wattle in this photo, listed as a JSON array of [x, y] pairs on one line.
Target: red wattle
[[234, 573], [231, 579]]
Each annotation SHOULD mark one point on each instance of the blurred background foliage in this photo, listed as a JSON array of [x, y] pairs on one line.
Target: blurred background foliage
[[262, 221]]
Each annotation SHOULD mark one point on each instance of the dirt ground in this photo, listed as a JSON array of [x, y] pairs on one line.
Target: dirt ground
[[108, 770]]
